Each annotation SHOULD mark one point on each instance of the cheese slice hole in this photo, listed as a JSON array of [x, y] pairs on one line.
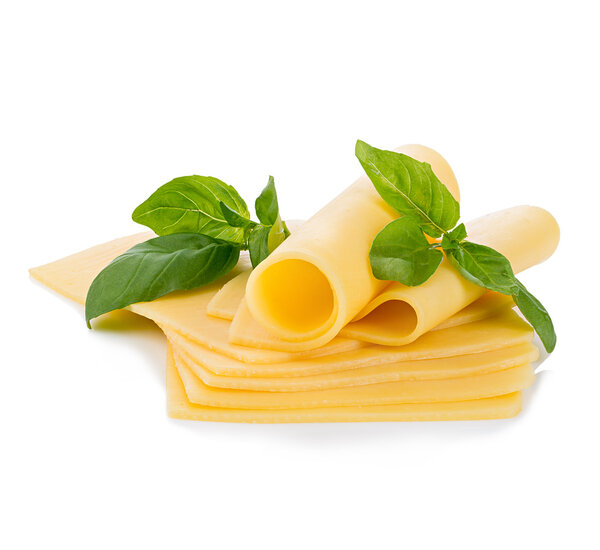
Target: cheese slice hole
[[398, 315], [297, 295]]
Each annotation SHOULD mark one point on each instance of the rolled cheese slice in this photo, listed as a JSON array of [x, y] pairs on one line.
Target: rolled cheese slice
[[320, 277], [526, 235]]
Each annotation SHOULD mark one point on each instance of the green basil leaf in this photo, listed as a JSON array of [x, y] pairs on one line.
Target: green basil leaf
[[258, 244], [191, 204], [156, 267], [234, 219], [410, 187], [276, 234], [266, 205], [483, 266], [400, 252], [536, 314], [452, 239]]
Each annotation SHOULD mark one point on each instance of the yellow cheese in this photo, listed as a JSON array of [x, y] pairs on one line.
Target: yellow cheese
[[72, 276], [245, 331], [425, 369], [178, 406], [406, 391], [184, 312], [226, 302], [504, 330], [320, 277], [526, 235], [490, 304]]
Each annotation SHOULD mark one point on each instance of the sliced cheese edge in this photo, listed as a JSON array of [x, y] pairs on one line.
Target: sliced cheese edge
[[406, 391], [179, 406], [427, 369], [503, 331]]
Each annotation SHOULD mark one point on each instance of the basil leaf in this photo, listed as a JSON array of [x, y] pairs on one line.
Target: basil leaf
[[400, 252], [276, 234], [234, 219], [457, 235], [258, 244], [191, 204], [536, 314], [483, 266], [156, 267], [410, 187], [266, 205]]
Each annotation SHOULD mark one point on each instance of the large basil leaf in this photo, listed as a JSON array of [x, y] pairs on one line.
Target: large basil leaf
[[410, 187], [156, 267], [536, 314], [191, 204], [483, 266], [400, 252]]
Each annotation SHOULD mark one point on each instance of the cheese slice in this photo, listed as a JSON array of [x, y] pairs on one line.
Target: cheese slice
[[504, 330], [184, 312], [406, 391], [179, 406], [225, 303], [320, 277], [526, 235], [425, 369], [72, 276]]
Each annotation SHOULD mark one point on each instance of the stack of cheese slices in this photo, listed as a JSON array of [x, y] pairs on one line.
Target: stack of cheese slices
[[310, 335]]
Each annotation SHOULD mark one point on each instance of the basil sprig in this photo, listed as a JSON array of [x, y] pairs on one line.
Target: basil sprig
[[401, 252], [202, 224]]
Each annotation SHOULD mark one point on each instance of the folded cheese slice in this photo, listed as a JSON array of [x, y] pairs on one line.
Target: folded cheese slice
[[504, 330], [320, 278], [526, 235], [179, 406], [406, 391]]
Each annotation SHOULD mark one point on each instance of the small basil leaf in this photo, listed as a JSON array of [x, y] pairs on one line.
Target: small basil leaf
[[191, 204], [536, 314], [276, 235], [156, 267], [410, 187], [400, 252], [483, 266], [457, 235], [258, 244], [234, 219], [266, 205]]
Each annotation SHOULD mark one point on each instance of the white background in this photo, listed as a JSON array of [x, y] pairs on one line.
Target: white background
[[102, 102]]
